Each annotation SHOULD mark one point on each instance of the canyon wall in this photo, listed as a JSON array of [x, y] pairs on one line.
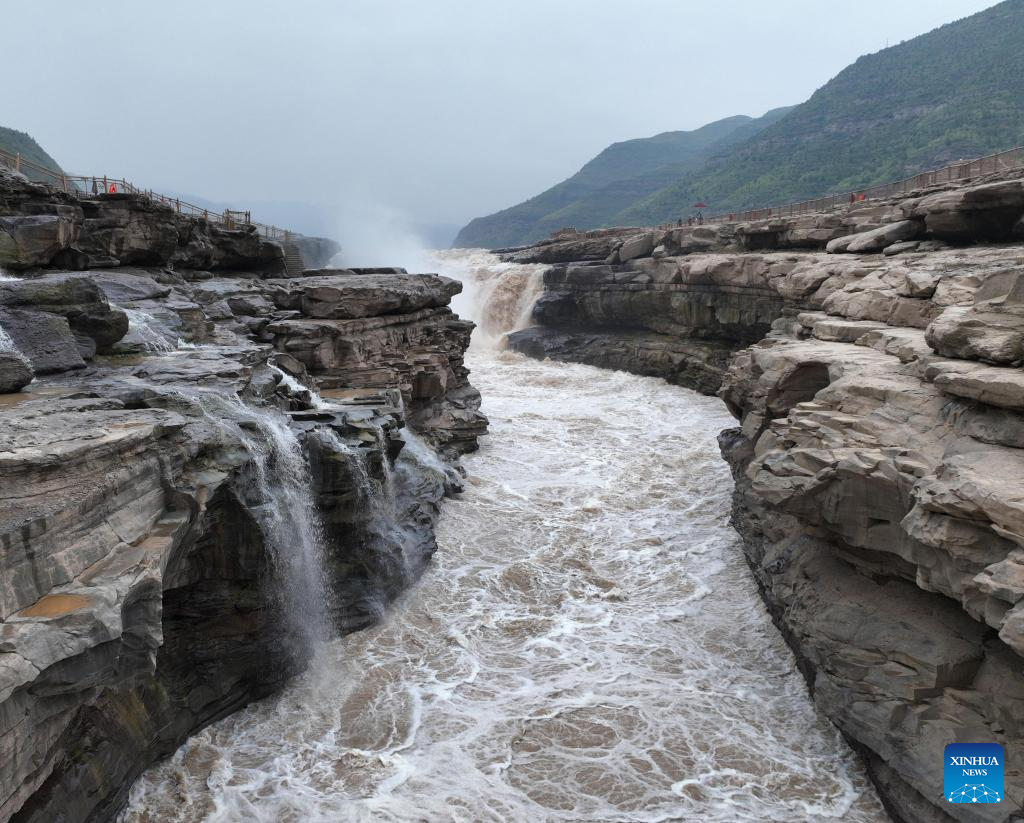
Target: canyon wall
[[205, 468], [872, 356]]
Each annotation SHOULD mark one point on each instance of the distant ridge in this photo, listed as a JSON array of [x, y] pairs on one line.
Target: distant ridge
[[951, 93], [17, 142], [615, 179]]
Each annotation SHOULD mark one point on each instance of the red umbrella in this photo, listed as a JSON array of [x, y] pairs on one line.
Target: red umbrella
[[700, 205]]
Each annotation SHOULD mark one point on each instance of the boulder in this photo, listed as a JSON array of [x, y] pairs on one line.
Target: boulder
[[989, 211], [839, 244], [972, 333], [901, 248], [15, 372], [33, 240], [342, 295], [878, 239], [45, 339], [640, 245], [76, 298], [691, 240]]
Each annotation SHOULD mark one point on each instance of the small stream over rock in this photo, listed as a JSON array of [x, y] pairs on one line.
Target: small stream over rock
[[588, 643]]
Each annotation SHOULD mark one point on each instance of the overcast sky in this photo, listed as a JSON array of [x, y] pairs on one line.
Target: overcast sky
[[441, 110]]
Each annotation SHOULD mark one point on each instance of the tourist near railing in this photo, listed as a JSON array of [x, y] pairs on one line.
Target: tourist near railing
[[87, 186], [961, 170]]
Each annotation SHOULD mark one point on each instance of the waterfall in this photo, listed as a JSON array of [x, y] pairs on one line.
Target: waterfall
[[589, 645], [148, 332], [498, 296], [284, 503], [300, 390], [6, 343], [291, 523], [390, 498]]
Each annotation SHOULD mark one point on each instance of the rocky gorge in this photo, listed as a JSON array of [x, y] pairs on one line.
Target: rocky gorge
[[872, 357], [206, 466]]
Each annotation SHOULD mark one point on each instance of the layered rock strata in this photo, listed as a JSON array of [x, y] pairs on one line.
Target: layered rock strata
[[879, 461], [166, 472], [673, 303]]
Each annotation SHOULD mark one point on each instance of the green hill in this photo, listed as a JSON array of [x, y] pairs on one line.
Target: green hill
[[952, 93], [618, 177], [15, 142]]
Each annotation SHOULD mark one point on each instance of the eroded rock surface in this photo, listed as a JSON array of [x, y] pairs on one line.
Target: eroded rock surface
[[879, 458], [145, 589]]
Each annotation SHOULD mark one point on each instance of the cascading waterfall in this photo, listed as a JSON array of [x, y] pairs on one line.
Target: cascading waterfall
[[300, 390], [389, 539], [291, 523], [146, 330], [498, 296], [587, 645], [285, 505], [6, 343]]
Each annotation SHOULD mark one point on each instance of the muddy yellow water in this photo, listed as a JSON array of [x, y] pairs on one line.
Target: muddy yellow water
[[588, 645]]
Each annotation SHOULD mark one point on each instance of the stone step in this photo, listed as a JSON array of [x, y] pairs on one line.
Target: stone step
[[294, 265]]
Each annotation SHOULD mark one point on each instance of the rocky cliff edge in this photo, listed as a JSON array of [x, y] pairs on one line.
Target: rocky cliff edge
[[189, 445], [872, 356]]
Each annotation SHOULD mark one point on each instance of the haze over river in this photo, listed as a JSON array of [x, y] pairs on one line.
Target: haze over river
[[588, 644]]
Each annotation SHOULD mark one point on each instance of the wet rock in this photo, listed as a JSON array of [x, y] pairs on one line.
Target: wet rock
[[33, 240], [46, 340], [344, 296], [140, 598], [878, 458], [76, 298], [15, 372]]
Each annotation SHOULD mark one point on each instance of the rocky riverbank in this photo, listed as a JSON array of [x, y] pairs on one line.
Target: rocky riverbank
[[204, 467], [872, 356]]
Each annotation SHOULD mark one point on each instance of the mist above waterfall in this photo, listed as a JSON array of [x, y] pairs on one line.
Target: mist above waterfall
[[374, 234]]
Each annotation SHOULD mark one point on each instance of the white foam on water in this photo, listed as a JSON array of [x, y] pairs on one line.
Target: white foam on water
[[6, 343], [587, 646], [297, 388], [152, 336], [498, 296]]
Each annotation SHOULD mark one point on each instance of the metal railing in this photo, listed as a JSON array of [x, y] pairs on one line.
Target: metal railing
[[961, 170], [91, 186]]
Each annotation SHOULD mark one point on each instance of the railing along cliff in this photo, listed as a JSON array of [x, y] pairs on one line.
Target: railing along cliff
[[89, 185], [961, 170]]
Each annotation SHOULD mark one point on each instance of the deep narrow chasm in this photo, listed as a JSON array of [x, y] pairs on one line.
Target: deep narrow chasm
[[586, 644]]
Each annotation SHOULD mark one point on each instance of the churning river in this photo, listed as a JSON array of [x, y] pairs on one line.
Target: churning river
[[587, 645]]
